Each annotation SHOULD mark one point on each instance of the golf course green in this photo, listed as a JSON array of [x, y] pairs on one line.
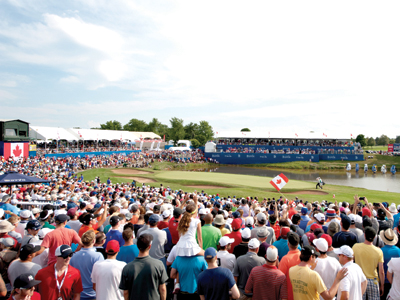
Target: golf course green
[[236, 185]]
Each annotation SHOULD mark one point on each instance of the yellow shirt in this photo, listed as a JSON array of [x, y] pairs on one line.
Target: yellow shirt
[[224, 231], [307, 284], [368, 257]]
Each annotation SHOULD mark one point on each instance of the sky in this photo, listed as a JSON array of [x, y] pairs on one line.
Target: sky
[[287, 67]]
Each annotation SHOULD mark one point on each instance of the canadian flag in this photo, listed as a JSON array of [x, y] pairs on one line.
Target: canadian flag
[[279, 181], [296, 135], [16, 150], [324, 135]]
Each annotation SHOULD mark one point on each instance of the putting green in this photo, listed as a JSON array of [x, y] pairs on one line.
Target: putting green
[[232, 179]]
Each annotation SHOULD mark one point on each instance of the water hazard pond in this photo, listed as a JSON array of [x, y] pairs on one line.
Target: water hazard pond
[[380, 182]]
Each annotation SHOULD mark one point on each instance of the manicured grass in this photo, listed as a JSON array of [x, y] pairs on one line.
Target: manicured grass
[[244, 185]]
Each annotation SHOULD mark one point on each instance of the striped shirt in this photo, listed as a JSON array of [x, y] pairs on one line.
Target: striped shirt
[[276, 287]]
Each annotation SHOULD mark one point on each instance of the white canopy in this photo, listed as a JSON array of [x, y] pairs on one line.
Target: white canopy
[[73, 134]]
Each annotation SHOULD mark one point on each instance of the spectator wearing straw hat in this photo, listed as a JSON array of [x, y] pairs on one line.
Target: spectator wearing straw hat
[[390, 250], [277, 284], [219, 222], [354, 285]]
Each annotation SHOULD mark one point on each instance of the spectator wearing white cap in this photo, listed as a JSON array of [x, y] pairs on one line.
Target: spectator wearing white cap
[[243, 247], [24, 215], [327, 267], [277, 285], [244, 265], [354, 285], [226, 259], [166, 216]]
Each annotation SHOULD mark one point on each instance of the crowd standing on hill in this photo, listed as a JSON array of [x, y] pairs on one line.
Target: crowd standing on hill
[[94, 240]]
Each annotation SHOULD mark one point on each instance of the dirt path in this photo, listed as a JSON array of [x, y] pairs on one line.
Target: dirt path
[[130, 172]]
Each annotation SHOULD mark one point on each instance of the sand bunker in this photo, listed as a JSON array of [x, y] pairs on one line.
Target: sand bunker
[[140, 179], [130, 172], [204, 187], [305, 192]]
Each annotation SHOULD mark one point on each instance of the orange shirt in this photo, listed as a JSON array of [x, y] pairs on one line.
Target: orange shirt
[[292, 258], [85, 228], [134, 219]]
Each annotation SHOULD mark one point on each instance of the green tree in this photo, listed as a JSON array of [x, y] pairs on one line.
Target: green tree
[[245, 129], [204, 132], [191, 130], [195, 143], [392, 141], [135, 125], [383, 140], [111, 125], [154, 126], [371, 141], [397, 140], [176, 131], [163, 130], [361, 139]]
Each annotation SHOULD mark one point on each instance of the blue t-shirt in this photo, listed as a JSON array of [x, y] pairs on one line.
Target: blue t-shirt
[[189, 267], [114, 234], [215, 283], [84, 260], [388, 253], [396, 219], [283, 248], [128, 253], [12, 208]]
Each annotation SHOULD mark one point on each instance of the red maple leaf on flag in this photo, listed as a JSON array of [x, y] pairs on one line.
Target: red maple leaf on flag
[[279, 181], [17, 152]]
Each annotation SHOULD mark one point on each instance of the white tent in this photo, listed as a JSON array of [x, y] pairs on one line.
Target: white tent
[[55, 133]]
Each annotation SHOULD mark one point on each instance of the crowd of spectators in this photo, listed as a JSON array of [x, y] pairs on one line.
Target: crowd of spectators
[[99, 240]]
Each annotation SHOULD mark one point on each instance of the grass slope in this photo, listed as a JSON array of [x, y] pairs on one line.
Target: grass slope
[[244, 185]]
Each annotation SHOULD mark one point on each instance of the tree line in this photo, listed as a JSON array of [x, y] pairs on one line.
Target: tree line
[[382, 140], [197, 133]]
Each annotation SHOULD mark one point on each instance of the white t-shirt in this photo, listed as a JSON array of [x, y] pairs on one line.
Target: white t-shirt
[[226, 259], [106, 275], [394, 267], [352, 282], [328, 268]]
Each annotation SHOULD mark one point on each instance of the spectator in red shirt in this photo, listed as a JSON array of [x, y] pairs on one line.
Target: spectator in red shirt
[[275, 226], [166, 215], [173, 225], [235, 234]]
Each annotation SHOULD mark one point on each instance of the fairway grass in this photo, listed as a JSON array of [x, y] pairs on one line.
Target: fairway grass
[[241, 185]]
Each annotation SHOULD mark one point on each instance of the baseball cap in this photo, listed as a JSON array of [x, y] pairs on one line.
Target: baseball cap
[[344, 250], [154, 219], [315, 226], [333, 228], [28, 249], [246, 233], [210, 253], [61, 218], [346, 221], [328, 239], [72, 211], [177, 212], [285, 231], [112, 247], [25, 281], [7, 242], [304, 211], [87, 218], [272, 253], [263, 232], [261, 217], [26, 214], [254, 244], [166, 214], [321, 244], [225, 241], [320, 217], [309, 250], [236, 224], [33, 224], [63, 251], [249, 221], [366, 212], [114, 220], [236, 214]]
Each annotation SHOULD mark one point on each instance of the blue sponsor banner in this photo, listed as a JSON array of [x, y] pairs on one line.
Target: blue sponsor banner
[[90, 154], [352, 157], [315, 148], [259, 158]]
